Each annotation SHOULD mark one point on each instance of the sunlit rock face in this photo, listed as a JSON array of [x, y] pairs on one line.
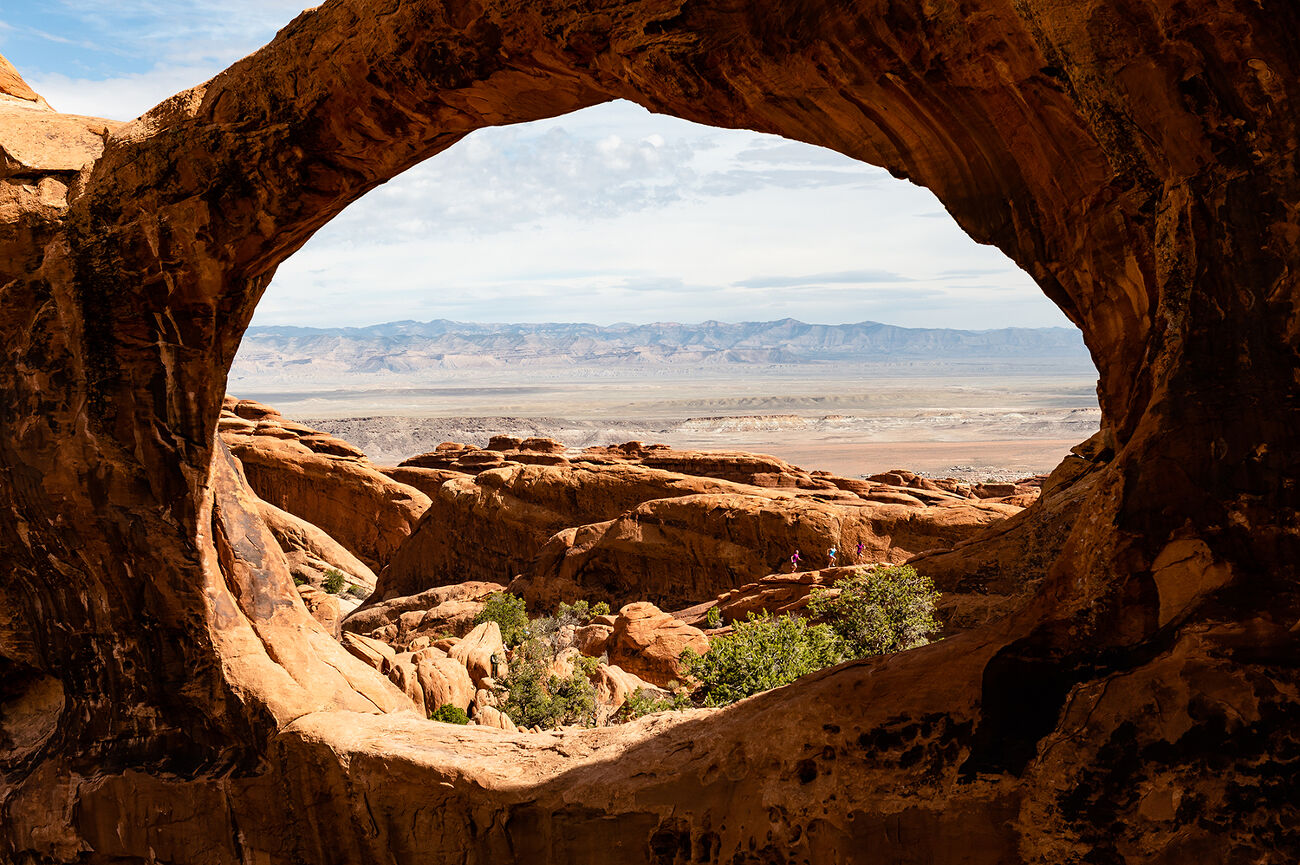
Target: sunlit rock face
[[1137, 159], [593, 526]]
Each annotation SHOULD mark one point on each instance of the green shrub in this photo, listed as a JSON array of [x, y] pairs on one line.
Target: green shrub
[[640, 703], [359, 592], [760, 654], [713, 618], [585, 665], [334, 581], [299, 581], [601, 608], [576, 614], [510, 613], [449, 714], [532, 696], [885, 610]]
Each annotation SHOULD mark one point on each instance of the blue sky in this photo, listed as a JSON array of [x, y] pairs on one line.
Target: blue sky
[[609, 214]]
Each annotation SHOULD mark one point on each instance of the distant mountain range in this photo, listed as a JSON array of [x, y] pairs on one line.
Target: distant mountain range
[[405, 347]]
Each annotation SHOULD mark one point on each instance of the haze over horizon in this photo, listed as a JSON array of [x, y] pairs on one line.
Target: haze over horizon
[[412, 355], [637, 324], [610, 214]]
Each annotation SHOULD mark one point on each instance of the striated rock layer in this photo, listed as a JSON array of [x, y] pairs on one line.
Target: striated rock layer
[[590, 527], [167, 697], [322, 480]]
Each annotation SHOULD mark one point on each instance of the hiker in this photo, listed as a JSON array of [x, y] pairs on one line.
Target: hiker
[[830, 554], [857, 560], [794, 562]]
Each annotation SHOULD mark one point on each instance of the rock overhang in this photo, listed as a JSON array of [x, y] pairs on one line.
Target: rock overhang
[[1125, 157]]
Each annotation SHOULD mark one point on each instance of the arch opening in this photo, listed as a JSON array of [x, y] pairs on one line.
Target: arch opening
[[757, 394], [132, 299], [669, 222]]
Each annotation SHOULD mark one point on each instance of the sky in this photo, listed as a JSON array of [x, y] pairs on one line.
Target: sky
[[610, 214]]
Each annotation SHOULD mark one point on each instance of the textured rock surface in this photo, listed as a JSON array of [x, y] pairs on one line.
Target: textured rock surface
[[995, 570], [444, 681], [311, 552], [648, 642], [491, 527], [443, 608], [324, 608], [683, 550], [1136, 158], [775, 593], [482, 653], [612, 530], [322, 480], [614, 685]]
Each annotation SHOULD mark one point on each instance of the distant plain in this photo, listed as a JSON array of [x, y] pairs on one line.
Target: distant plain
[[994, 419]]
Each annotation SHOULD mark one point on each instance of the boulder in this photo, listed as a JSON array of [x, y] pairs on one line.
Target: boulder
[[489, 716], [444, 681], [775, 594], [482, 652], [614, 685], [249, 409], [324, 608], [994, 490], [402, 673], [442, 607], [648, 642], [376, 653], [591, 639], [562, 666], [538, 444]]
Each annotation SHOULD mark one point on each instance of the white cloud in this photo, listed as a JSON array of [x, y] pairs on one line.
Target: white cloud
[[119, 58], [569, 220], [122, 98], [608, 214]]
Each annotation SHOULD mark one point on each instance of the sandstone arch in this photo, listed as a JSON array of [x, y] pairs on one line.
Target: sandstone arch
[[1137, 157]]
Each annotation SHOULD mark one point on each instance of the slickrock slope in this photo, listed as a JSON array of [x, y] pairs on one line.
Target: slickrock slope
[[323, 480], [600, 524], [311, 551], [682, 550], [491, 526], [1137, 159]]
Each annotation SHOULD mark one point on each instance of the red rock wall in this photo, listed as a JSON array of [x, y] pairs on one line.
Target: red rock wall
[[1136, 157], [680, 551], [361, 508], [491, 526], [622, 533]]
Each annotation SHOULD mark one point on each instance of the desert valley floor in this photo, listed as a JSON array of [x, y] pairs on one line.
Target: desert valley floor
[[948, 421]]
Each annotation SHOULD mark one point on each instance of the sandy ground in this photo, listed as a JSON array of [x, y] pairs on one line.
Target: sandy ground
[[972, 460], [970, 421], [970, 427]]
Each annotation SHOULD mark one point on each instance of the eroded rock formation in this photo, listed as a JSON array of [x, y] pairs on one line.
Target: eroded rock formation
[[598, 524], [1136, 157], [676, 551], [323, 480]]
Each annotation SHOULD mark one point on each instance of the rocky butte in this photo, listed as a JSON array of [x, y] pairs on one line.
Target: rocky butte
[[166, 696]]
